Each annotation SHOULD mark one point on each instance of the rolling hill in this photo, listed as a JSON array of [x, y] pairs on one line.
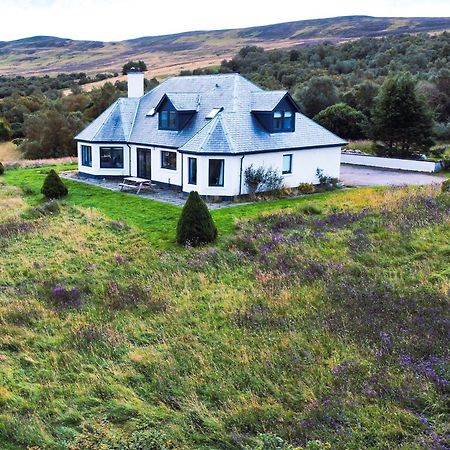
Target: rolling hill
[[169, 54]]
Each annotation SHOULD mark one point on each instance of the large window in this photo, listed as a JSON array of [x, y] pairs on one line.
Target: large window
[[287, 164], [216, 168], [169, 160], [111, 157], [283, 121], [192, 170], [168, 120], [86, 155]]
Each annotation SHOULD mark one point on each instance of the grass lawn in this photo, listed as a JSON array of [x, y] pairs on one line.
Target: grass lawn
[[155, 219], [305, 328]]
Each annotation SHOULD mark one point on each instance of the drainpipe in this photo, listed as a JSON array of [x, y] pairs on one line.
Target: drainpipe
[[240, 176], [182, 171], [129, 159]]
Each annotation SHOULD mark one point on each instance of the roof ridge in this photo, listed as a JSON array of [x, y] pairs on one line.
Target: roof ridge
[[138, 105], [318, 124], [222, 120], [250, 82], [207, 124], [156, 87], [270, 92], [213, 125], [112, 107], [233, 74]]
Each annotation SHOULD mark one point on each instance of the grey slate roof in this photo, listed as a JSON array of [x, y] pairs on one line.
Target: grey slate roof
[[233, 130], [212, 138], [114, 124], [266, 100], [184, 102]]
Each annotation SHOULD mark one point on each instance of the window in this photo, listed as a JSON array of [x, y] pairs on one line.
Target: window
[[283, 121], [287, 120], [192, 170], [169, 160], [277, 120], [86, 155], [216, 167], [287, 164], [111, 157], [168, 120]]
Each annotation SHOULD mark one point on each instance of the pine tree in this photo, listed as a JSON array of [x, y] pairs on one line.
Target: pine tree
[[195, 226], [401, 118], [53, 187]]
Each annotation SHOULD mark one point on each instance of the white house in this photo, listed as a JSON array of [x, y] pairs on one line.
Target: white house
[[202, 132]]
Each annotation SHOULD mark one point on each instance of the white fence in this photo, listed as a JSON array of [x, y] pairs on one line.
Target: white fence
[[390, 163]]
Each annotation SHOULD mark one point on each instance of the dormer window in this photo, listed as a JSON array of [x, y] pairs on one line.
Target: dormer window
[[275, 110], [283, 121], [168, 120]]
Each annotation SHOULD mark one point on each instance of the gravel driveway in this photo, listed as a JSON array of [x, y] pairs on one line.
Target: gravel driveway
[[367, 176]]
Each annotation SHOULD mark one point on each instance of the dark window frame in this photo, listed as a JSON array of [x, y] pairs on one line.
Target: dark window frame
[[192, 179], [164, 164], [283, 121], [223, 173], [112, 150], [168, 123], [284, 172], [86, 155]]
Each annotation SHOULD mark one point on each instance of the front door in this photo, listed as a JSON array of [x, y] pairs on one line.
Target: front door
[[144, 165]]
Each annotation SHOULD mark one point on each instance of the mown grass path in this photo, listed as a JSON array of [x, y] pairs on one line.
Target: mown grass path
[[155, 219]]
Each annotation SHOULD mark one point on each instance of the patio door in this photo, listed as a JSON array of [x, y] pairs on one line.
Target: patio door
[[144, 164]]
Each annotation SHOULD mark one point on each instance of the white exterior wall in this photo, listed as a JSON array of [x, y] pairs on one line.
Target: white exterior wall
[[167, 176], [390, 163], [304, 166], [231, 173], [160, 175], [95, 169]]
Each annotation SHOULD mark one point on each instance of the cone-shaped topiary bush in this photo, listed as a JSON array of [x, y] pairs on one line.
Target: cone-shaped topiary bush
[[53, 187], [2, 169], [196, 225]]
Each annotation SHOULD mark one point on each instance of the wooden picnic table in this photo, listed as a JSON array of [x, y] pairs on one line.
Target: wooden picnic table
[[135, 183]]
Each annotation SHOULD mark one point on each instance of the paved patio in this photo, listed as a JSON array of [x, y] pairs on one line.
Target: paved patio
[[158, 193]]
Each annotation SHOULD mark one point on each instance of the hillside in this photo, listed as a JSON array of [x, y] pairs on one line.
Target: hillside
[[322, 320], [172, 53]]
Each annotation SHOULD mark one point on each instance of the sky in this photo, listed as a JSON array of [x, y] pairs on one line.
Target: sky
[[115, 20]]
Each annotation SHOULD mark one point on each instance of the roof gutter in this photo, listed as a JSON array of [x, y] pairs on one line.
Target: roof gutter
[[257, 152]]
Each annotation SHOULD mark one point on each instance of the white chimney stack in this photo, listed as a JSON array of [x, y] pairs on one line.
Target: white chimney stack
[[135, 83]]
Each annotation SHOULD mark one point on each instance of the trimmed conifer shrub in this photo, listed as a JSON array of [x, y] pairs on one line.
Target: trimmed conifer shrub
[[53, 187], [195, 226], [2, 169]]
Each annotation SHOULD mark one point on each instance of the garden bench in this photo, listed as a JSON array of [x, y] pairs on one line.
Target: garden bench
[[136, 183]]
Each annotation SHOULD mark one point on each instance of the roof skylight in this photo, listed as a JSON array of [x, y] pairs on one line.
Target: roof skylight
[[213, 113]]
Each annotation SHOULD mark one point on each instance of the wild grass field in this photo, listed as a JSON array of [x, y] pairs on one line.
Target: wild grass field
[[319, 322], [8, 152]]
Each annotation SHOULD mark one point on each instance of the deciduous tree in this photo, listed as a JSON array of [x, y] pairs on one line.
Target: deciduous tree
[[343, 120]]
